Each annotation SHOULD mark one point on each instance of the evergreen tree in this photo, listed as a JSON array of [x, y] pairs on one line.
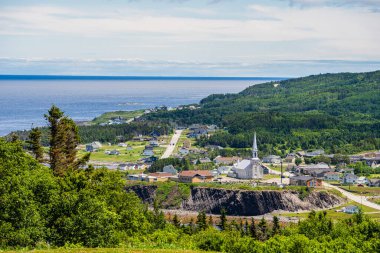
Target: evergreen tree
[[202, 220], [35, 144], [223, 219], [64, 139], [246, 227], [176, 221], [263, 229], [252, 229], [276, 225]]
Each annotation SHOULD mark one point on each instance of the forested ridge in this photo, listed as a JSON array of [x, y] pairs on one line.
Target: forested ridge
[[337, 112]]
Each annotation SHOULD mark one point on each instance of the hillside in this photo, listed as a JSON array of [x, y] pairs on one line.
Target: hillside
[[338, 112]]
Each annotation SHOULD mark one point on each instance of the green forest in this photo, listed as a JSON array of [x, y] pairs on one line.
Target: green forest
[[69, 206], [337, 112]]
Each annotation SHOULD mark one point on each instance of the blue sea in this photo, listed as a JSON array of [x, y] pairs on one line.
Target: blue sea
[[24, 100]]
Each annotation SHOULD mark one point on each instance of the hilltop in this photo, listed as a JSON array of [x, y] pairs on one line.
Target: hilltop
[[338, 112]]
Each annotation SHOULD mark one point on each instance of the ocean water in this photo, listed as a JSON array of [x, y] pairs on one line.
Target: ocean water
[[24, 102]]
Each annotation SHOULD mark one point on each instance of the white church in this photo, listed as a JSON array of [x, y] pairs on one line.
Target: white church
[[249, 168]]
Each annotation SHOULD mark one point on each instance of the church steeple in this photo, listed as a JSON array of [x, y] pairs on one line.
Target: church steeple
[[254, 148]]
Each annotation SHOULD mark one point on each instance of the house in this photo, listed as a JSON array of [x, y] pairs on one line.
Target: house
[[226, 160], [249, 168], [204, 160], [275, 159], [374, 182], [148, 151], [309, 169], [332, 176], [362, 180], [347, 170], [159, 177], [198, 132], [290, 158], [184, 151], [137, 177], [305, 181], [224, 169], [122, 144], [349, 178], [170, 169], [154, 143], [94, 146], [351, 209], [319, 173], [195, 176], [115, 152]]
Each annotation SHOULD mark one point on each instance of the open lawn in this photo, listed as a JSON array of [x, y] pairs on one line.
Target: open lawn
[[126, 115], [372, 213], [126, 155], [366, 191], [105, 250]]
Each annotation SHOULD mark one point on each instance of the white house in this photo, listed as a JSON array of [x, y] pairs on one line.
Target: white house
[[332, 176], [351, 209], [94, 146], [224, 169], [349, 179], [362, 180], [122, 144], [272, 159], [183, 151]]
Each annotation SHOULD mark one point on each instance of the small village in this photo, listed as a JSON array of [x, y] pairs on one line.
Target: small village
[[136, 156]]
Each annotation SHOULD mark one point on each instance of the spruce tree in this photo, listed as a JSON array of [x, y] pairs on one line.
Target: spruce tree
[[263, 229], [64, 139], [276, 225], [223, 219], [210, 221], [201, 220], [35, 144], [252, 229]]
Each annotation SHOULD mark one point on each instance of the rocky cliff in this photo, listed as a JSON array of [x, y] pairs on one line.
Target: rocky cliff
[[242, 202]]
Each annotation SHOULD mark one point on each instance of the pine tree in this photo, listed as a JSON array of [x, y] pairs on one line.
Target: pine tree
[[263, 229], [176, 221], [252, 229], [64, 139], [246, 227], [201, 220], [276, 225], [35, 144], [223, 219]]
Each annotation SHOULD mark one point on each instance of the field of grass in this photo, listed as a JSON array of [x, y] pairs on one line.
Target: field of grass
[[372, 213], [125, 155], [367, 191], [111, 115], [105, 250]]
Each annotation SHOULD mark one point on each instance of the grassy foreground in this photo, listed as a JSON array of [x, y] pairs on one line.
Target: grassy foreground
[[104, 250]]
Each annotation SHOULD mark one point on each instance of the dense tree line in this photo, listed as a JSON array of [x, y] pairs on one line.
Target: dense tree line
[[91, 208], [337, 112]]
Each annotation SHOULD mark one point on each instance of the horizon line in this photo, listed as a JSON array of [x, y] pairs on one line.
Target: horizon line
[[117, 77]]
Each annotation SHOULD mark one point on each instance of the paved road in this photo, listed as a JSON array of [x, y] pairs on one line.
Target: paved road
[[360, 199], [169, 150]]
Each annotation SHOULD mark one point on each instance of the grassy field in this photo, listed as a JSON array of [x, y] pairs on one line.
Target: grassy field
[[111, 115], [104, 250], [182, 139], [125, 155], [367, 191], [373, 213]]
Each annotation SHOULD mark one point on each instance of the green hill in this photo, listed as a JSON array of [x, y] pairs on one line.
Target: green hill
[[337, 112]]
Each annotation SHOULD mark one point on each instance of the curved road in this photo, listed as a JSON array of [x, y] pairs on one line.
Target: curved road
[[360, 199], [173, 142]]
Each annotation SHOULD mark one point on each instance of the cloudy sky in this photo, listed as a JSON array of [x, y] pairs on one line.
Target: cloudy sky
[[189, 37]]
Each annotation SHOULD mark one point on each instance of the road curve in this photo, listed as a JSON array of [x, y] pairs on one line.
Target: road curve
[[360, 199], [173, 142]]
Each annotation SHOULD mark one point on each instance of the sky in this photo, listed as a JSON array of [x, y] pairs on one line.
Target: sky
[[283, 38]]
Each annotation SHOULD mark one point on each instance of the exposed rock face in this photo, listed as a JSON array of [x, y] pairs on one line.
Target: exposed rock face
[[243, 202]]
